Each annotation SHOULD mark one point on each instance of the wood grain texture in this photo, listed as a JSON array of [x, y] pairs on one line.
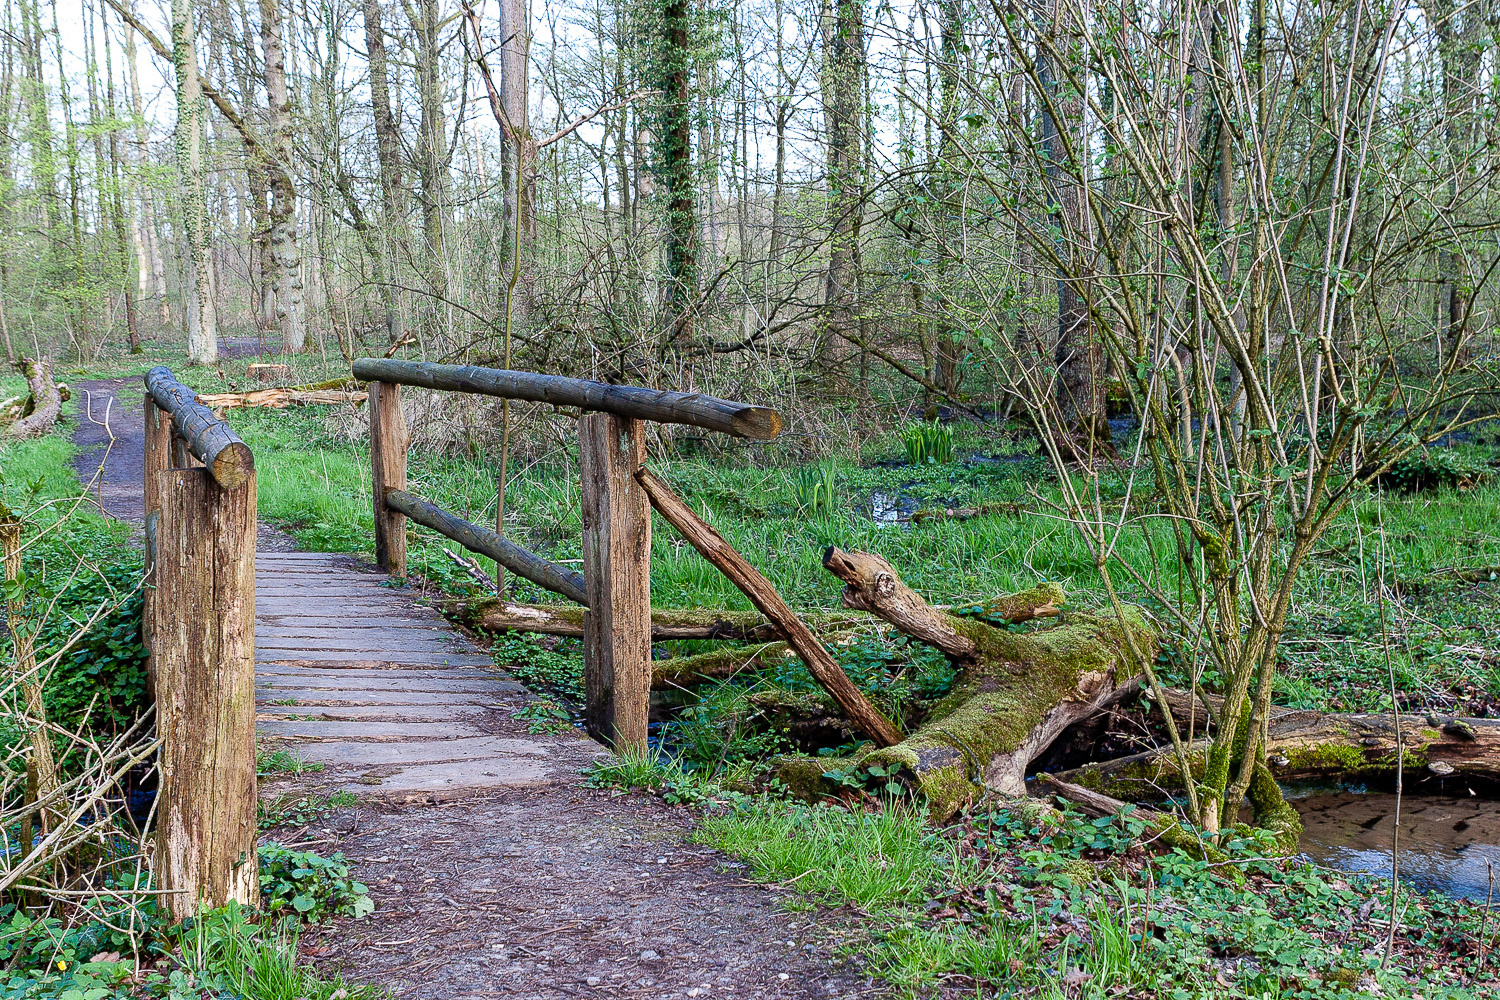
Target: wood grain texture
[[388, 444], [205, 663], [208, 438], [768, 602], [617, 575], [745, 420], [475, 538], [158, 459]]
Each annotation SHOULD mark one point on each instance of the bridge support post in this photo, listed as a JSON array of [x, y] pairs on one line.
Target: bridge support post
[[158, 460], [388, 444], [617, 580], [204, 649]]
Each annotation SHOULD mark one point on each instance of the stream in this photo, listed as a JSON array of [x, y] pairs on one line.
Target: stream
[[1446, 844]]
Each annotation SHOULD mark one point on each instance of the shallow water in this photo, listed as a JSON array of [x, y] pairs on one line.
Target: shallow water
[[1445, 845]]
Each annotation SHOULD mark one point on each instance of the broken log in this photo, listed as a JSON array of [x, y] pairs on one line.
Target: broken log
[[726, 560], [494, 615], [1016, 692], [45, 404], [1304, 744], [263, 372], [281, 398], [717, 665]]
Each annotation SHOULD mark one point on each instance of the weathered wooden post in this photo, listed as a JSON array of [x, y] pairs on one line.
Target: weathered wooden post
[[205, 664], [158, 460], [388, 444], [617, 579], [203, 647]]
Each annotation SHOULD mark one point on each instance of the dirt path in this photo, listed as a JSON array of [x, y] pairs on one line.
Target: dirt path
[[495, 870]]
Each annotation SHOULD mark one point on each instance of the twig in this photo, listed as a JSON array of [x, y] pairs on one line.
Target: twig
[[467, 562]]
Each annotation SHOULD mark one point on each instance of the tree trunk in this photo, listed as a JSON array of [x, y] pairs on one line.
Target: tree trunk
[[152, 270], [46, 400], [671, 60], [285, 259], [388, 152], [432, 142], [203, 328], [1079, 354], [23, 642], [843, 91]]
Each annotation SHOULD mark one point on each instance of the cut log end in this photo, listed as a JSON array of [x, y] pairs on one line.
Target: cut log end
[[758, 423], [234, 466]]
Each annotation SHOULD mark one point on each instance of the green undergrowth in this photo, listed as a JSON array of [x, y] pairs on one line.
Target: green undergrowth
[[1034, 904], [121, 943], [80, 592], [1021, 900]]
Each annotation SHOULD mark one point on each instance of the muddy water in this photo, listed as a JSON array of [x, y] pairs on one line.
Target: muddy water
[[1445, 845]]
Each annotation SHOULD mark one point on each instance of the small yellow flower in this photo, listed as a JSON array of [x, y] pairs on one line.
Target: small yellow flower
[[62, 966]]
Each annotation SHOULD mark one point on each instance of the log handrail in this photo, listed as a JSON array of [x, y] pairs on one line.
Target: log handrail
[[209, 439], [542, 572], [746, 420]]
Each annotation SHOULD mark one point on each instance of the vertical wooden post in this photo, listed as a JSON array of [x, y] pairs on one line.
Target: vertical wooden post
[[617, 579], [388, 444], [158, 460], [205, 663]]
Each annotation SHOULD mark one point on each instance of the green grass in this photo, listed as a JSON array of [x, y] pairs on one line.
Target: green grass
[[284, 761], [873, 860]]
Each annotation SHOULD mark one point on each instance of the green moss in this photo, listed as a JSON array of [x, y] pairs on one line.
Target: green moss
[[1272, 811], [1324, 757], [1018, 678], [803, 776]]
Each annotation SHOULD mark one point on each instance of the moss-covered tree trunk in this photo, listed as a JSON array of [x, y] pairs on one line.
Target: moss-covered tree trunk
[[1016, 692]]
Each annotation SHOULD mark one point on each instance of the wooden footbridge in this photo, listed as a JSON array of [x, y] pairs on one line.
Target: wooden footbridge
[[354, 672]]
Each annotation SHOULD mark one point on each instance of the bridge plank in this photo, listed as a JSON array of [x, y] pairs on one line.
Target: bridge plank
[[390, 697]]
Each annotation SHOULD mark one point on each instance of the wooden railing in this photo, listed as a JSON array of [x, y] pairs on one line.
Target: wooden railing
[[199, 627], [615, 586]]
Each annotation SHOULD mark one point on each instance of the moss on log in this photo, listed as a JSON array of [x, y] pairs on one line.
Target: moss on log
[[1016, 692]]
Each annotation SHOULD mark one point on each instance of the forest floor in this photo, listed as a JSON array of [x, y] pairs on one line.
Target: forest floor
[[554, 890]]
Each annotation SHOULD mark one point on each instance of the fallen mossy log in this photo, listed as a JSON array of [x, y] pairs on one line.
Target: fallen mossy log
[[43, 406], [717, 665], [1433, 751], [1016, 692]]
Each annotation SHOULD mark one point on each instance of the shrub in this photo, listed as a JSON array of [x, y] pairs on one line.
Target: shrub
[[1431, 469]]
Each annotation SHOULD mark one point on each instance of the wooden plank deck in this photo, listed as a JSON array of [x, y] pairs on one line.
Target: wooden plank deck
[[377, 687]]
